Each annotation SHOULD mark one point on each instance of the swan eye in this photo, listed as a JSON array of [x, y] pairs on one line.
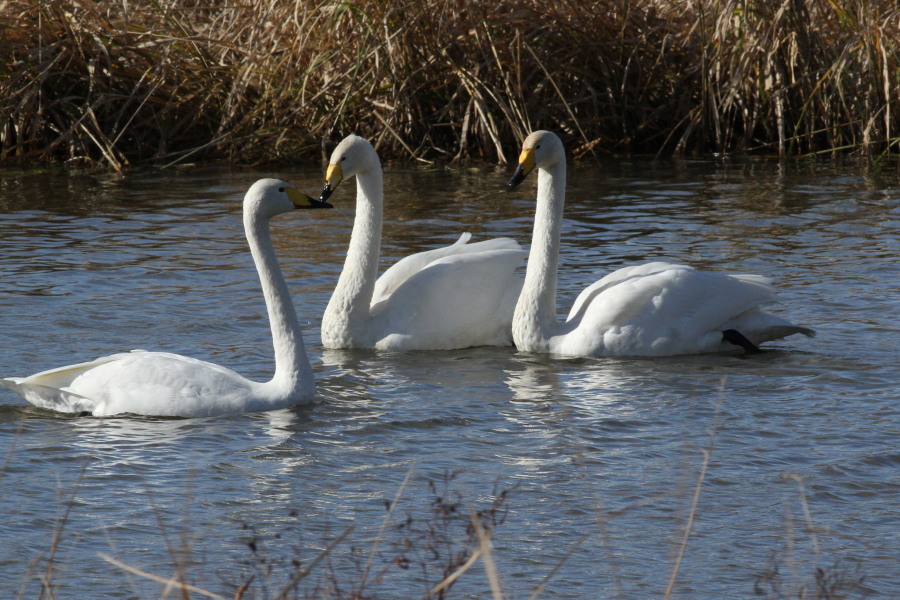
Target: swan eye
[[281, 189], [343, 158]]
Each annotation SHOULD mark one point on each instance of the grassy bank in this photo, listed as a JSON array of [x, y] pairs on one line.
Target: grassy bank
[[157, 81]]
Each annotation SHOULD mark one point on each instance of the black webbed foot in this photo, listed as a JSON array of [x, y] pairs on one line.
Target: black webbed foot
[[733, 336]]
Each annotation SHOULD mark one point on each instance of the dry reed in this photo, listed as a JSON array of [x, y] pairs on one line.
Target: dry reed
[[452, 537], [159, 81]]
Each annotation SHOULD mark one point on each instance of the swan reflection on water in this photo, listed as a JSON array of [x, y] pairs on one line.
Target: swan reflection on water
[[596, 388]]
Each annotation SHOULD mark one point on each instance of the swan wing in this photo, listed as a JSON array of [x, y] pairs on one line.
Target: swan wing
[[138, 382], [661, 309], [165, 384], [408, 266], [459, 300], [617, 277]]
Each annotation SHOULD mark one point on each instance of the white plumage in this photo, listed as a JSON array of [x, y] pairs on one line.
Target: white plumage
[[453, 297], [164, 384], [655, 309]]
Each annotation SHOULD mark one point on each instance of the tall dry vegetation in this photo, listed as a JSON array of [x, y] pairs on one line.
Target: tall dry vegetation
[[269, 80]]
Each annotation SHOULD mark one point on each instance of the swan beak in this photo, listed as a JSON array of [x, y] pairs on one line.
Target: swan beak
[[302, 200], [526, 164], [333, 178]]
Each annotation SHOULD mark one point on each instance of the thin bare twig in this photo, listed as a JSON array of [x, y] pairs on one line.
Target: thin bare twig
[[300, 575], [695, 500], [484, 544], [186, 587], [384, 524]]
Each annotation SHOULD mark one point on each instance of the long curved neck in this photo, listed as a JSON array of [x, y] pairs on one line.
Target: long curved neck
[[292, 369], [535, 314], [348, 310]]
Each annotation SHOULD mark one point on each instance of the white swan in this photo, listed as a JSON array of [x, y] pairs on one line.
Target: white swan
[[656, 309], [454, 297], [164, 384]]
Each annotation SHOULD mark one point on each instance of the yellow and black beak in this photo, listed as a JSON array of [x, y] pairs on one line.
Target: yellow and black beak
[[526, 164], [302, 200], [333, 178]]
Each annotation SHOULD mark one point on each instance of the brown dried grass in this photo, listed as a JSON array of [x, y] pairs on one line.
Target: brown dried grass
[[160, 81]]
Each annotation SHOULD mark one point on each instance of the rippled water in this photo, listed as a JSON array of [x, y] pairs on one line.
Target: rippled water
[[778, 464]]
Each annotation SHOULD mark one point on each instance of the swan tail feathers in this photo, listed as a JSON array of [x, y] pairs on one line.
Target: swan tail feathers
[[462, 246], [463, 239], [11, 383], [783, 331], [61, 376], [760, 280], [47, 396]]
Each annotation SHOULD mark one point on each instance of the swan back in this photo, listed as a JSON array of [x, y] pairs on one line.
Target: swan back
[[660, 309], [408, 266]]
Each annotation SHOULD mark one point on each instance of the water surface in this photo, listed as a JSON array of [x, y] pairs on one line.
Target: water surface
[[780, 463]]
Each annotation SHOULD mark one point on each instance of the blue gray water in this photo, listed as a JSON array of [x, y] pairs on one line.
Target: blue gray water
[[588, 472]]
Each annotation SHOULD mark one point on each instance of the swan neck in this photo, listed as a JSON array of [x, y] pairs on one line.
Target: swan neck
[[292, 368], [535, 315], [348, 310]]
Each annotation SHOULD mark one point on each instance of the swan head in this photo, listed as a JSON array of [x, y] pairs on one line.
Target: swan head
[[270, 197], [352, 156], [541, 149]]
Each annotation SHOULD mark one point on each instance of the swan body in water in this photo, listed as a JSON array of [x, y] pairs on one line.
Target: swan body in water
[[655, 309], [453, 297], [164, 384]]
